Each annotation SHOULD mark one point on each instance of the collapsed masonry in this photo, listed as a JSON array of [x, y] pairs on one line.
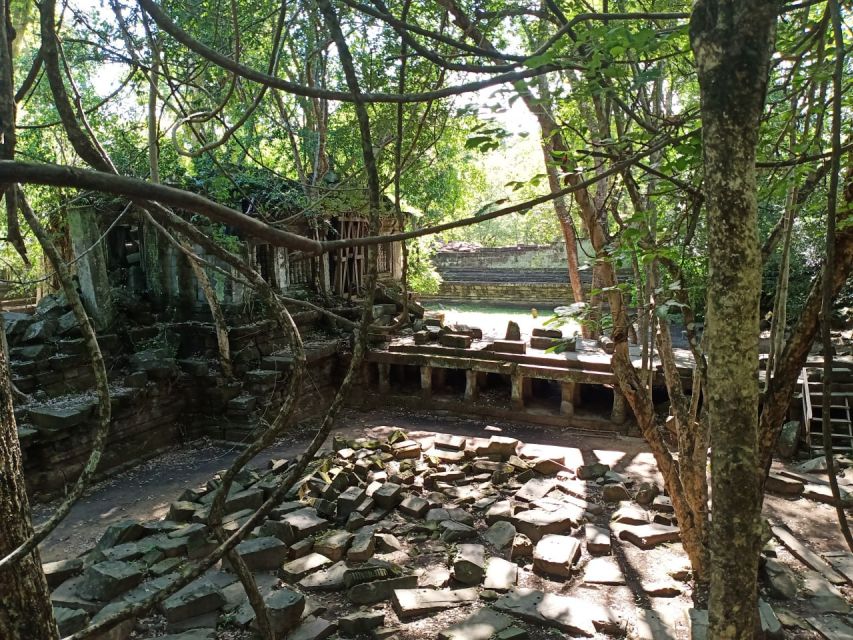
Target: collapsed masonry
[[490, 537]]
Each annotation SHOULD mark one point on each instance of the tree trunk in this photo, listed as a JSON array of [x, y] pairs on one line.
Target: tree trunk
[[26, 612], [732, 44]]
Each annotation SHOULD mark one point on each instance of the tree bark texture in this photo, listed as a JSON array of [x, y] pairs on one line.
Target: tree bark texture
[[732, 44], [26, 613]]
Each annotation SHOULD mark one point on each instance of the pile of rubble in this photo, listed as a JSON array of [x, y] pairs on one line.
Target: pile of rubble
[[380, 533]]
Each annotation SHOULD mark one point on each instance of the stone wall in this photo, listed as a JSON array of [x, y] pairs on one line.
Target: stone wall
[[166, 387], [528, 294], [551, 256]]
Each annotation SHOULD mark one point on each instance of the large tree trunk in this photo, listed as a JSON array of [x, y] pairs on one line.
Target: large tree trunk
[[26, 613], [732, 44]]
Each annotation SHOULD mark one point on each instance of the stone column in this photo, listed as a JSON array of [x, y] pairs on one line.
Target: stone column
[[472, 389], [426, 382], [620, 407], [439, 378], [571, 397], [527, 388], [517, 396], [384, 370]]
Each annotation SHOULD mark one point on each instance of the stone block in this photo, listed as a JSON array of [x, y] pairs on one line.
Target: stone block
[[262, 553], [412, 603], [349, 501], [360, 622], [509, 346], [334, 544], [388, 495], [554, 555], [295, 570], [196, 599], [455, 340], [69, 620], [414, 506], [303, 523], [362, 546], [59, 571], [313, 629], [648, 536], [501, 575], [539, 522], [480, 625], [107, 580], [500, 534], [285, 610], [379, 590], [469, 564], [56, 418], [597, 540]]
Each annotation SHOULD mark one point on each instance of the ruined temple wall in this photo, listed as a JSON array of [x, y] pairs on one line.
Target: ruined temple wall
[[551, 256], [525, 294]]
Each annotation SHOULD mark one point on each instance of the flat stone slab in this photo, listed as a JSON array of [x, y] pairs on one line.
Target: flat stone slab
[[295, 570], [329, 579], [554, 555], [388, 495], [313, 629], [603, 570], [193, 600], [648, 536], [630, 514], [597, 540], [360, 622], [69, 620], [535, 489], [303, 523], [455, 531], [480, 625], [500, 534], [107, 580], [536, 523], [822, 595], [831, 628], [379, 590], [411, 603], [59, 571], [806, 555], [575, 616], [501, 575]]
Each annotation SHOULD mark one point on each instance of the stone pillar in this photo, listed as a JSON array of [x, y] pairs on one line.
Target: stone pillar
[[92, 271], [527, 388], [426, 382], [472, 389], [571, 397], [384, 370], [517, 396], [620, 407]]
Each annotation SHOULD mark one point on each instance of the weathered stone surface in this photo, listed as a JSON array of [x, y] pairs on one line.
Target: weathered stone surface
[[192, 634], [360, 622], [831, 628], [414, 506], [770, 624], [512, 633], [806, 555], [193, 600], [406, 449], [469, 564], [456, 531], [480, 625], [349, 500], [388, 495], [501, 575], [363, 546], [597, 539], [182, 510], [379, 590], [295, 570], [823, 596], [329, 579], [615, 492], [334, 544], [498, 446], [107, 580], [648, 536], [781, 580], [630, 514], [121, 532], [121, 631], [59, 571], [536, 523], [535, 489], [500, 534], [56, 418], [411, 603], [646, 493], [522, 547], [303, 523], [554, 555], [69, 620], [591, 471], [453, 443], [285, 609], [500, 510], [575, 616], [263, 553], [455, 340], [313, 629], [387, 543], [603, 570]]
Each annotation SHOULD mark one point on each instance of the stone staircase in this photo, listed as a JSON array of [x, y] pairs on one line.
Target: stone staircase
[[841, 393]]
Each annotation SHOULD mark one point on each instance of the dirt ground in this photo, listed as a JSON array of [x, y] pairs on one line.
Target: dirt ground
[[146, 491]]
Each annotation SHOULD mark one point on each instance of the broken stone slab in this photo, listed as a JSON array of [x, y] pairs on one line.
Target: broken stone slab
[[822, 595], [501, 575], [480, 625], [379, 590], [603, 570], [108, 580], [555, 554], [536, 523], [535, 489], [193, 600], [262, 553], [59, 571], [69, 620], [497, 446], [842, 562], [406, 449], [411, 603], [770, 624], [469, 563], [648, 536], [334, 544], [329, 579], [363, 546], [500, 510], [303, 523], [500, 534], [806, 555], [823, 493], [360, 622], [452, 443], [121, 532], [575, 616], [295, 570], [456, 531], [831, 628], [630, 514], [597, 539], [777, 483], [512, 633], [387, 543]]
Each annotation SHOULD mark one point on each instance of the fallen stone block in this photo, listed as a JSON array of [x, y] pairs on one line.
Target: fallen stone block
[[107, 580], [313, 629], [501, 575], [193, 600], [604, 570], [329, 579], [360, 622], [615, 492], [406, 449], [455, 340], [648, 536], [597, 540], [522, 547], [498, 446], [285, 610], [500, 534], [69, 620], [379, 590], [591, 471], [349, 500], [121, 631], [295, 570], [456, 531], [363, 546], [388, 495], [411, 603], [554, 555], [59, 571], [630, 514], [508, 346], [334, 544], [535, 489], [575, 616], [414, 506], [262, 553], [303, 523], [453, 443], [536, 523], [469, 563]]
